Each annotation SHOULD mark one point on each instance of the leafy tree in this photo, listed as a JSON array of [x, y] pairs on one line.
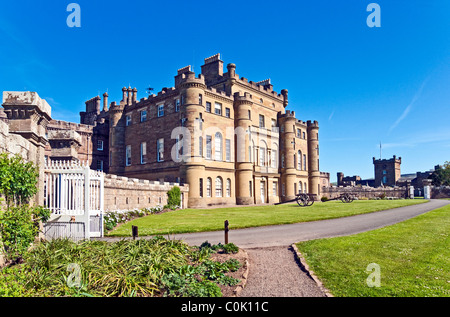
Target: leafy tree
[[19, 223], [441, 176]]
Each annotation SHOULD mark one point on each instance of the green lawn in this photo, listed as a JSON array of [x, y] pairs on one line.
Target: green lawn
[[197, 220], [413, 258]]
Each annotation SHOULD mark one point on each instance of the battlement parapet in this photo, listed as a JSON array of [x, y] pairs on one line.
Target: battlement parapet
[[391, 160], [312, 124], [213, 58], [288, 114], [263, 86], [65, 125], [219, 92]]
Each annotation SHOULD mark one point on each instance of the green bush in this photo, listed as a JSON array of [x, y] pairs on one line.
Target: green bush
[[324, 198], [174, 197], [19, 223], [18, 179]]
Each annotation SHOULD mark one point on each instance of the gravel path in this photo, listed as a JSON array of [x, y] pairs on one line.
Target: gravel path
[[274, 272]]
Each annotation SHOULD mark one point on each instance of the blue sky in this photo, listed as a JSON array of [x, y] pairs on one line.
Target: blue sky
[[364, 85]]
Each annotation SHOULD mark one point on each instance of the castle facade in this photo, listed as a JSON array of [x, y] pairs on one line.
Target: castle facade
[[232, 140]]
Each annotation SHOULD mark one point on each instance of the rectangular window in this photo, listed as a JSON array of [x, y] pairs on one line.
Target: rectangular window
[[177, 105], [262, 156], [227, 112], [218, 108], [128, 120], [143, 152], [143, 115], [249, 114], [208, 187], [100, 165], [128, 155], [160, 150], [200, 146], [304, 135], [250, 188], [208, 147], [200, 99], [201, 187], [160, 110], [208, 106], [274, 125], [283, 189], [299, 133], [304, 162], [274, 159], [99, 145], [274, 188], [228, 150], [261, 121]]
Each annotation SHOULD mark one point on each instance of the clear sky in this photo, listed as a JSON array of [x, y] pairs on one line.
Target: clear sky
[[364, 85]]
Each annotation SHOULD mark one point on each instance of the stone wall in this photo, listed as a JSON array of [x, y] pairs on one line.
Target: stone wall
[[364, 192], [123, 193], [14, 143], [440, 192]]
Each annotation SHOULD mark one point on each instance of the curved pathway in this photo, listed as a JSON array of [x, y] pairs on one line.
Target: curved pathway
[[285, 235], [274, 271]]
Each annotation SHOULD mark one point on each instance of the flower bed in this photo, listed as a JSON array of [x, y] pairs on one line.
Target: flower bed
[[116, 217]]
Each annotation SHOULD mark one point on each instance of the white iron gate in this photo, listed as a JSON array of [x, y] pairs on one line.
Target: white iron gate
[[74, 194]]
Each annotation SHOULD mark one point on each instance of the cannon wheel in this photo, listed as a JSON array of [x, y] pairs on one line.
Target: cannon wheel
[[303, 200]]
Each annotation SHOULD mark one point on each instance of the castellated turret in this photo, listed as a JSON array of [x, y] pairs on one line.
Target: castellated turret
[[313, 157]]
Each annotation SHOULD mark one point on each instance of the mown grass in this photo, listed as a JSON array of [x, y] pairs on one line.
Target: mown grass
[[144, 268], [413, 257], [198, 220]]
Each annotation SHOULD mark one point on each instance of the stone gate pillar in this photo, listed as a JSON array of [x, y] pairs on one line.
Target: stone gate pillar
[[29, 116], [426, 188]]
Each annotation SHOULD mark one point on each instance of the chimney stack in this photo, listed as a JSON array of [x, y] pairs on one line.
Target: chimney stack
[[105, 101]]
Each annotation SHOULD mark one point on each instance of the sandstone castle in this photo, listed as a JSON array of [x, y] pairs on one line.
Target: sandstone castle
[[230, 139]]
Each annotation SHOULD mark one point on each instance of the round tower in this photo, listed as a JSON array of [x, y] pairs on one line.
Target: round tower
[[313, 157], [288, 173], [116, 139], [192, 169], [244, 167]]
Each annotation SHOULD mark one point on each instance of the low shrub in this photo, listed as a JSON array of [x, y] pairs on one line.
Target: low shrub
[[144, 267]]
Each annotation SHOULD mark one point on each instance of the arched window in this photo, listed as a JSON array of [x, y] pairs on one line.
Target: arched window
[[299, 162], [218, 146], [228, 187], [208, 187], [219, 186], [304, 162], [305, 188]]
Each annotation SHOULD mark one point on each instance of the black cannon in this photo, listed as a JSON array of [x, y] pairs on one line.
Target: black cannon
[[305, 200]]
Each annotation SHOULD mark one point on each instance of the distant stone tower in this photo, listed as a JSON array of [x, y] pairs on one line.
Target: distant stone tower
[[387, 171]]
